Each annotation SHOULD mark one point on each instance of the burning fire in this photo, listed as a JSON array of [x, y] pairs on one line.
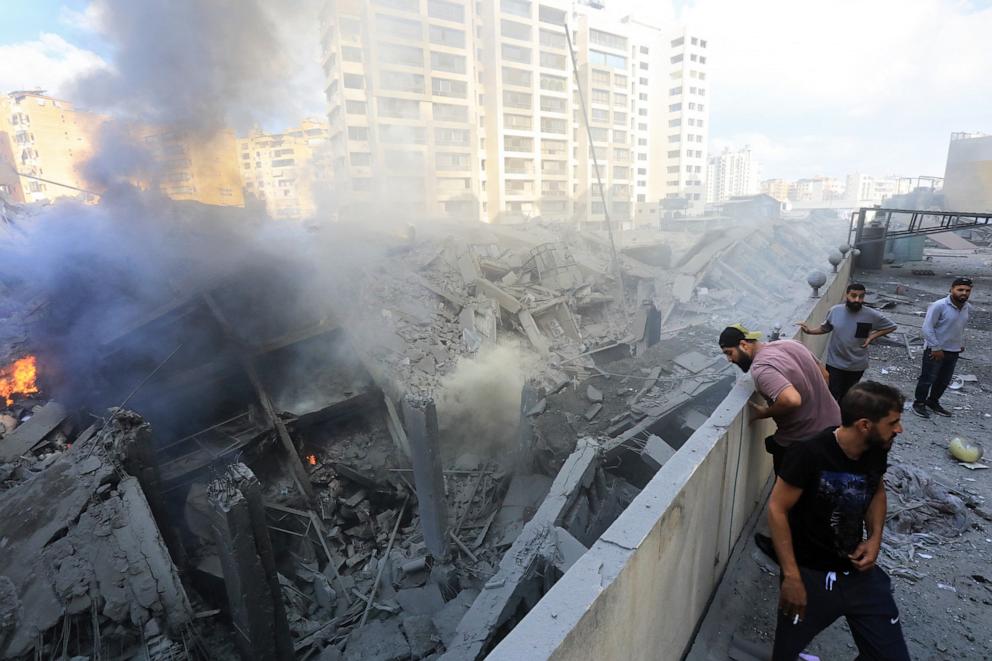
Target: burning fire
[[312, 459], [19, 378]]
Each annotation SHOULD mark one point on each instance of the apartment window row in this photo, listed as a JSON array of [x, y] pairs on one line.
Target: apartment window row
[[399, 54], [450, 113], [697, 58], [553, 83], [552, 61], [404, 28], [600, 58], [399, 108], [513, 99], [448, 161], [401, 5], [553, 104], [551, 15], [451, 88], [399, 81], [515, 7], [448, 11], [442, 36], [553, 39], [518, 77], [447, 62], [607, 39], [515, 30]]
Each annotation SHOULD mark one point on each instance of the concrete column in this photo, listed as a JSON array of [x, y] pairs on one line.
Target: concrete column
[[420, 416], [529, 397], [246, 556]]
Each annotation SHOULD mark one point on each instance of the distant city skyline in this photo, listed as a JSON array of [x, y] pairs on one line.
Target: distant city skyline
[[815, 88]]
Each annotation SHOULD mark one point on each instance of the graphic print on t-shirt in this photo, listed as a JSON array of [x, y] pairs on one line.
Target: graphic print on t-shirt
[[846, 496]]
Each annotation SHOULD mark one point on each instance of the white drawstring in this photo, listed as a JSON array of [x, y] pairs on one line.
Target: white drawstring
[[830, 580]]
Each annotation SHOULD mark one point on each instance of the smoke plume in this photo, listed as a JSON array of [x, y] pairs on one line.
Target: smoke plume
[[204, 65], [480, 399]]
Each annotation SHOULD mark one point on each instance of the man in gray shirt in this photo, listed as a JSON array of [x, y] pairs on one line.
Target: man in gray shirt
[[943, 342], [853, 327]]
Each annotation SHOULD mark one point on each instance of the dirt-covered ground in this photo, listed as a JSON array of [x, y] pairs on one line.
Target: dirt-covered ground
[[943, 587]]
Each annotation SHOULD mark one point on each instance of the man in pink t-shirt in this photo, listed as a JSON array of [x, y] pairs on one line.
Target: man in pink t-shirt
[[791, 380], [795, 385]]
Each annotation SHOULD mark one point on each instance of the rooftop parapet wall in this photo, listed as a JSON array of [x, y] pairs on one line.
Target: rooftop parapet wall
[[641, 589]]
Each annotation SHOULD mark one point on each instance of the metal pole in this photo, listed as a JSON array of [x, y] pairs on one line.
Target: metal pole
[[599, 180], [55, 183]]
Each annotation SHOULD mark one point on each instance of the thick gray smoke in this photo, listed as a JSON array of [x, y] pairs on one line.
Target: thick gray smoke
[[480, 400], [207, 64]]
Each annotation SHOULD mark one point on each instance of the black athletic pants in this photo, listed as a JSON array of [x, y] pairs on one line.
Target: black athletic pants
[[864, 598], [841, 381]]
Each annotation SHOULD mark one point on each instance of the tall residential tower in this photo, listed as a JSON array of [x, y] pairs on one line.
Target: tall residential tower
[[470, 110]]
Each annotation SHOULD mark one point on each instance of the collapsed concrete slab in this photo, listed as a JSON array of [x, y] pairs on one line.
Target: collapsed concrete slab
[[536, 545], [94, 551]]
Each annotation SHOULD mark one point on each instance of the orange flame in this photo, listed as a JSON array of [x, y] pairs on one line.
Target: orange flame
[[312, 459], [19, 378]]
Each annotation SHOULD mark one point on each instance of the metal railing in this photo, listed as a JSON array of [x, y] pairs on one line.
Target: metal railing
[[910, 222]]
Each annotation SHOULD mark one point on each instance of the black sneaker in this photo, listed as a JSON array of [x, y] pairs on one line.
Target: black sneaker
[[920, 409], [764, 544], [938, 409]]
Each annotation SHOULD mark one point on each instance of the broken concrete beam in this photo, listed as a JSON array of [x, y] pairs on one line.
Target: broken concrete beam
[[504, 592], [468, 267], [420, 416], [32, 432], [525, 427], [253, 591], [505, 300], [533, 332]]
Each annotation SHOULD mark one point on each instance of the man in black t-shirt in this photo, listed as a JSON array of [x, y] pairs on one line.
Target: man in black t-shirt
[[828, 493]]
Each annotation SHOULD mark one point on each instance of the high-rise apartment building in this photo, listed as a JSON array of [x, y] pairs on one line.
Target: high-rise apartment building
[[471, 109], [190, 166], [731, 173], [688, 120], [45, 138], [284, 171]]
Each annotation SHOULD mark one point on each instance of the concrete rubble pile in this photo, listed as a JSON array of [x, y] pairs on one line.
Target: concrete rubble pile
[[293, 487], [81, 558]]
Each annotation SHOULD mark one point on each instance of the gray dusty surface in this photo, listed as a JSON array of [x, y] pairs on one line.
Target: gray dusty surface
[[947, 610]]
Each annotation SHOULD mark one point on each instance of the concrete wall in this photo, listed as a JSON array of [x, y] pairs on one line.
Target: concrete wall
[[641, 589]]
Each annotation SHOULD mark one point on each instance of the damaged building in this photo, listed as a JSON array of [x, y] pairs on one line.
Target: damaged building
[[397, 468]]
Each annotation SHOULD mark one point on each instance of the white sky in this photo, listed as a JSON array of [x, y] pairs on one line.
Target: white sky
[[838, 86]]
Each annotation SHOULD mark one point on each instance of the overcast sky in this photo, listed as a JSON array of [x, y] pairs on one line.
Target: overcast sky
[[814, 87]]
